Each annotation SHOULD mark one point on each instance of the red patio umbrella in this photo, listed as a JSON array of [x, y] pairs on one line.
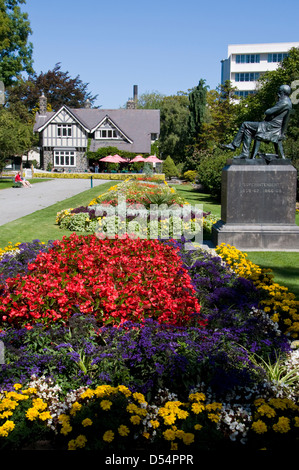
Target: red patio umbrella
[[138, 158], [108, 159], [119, 159], [153, 159]]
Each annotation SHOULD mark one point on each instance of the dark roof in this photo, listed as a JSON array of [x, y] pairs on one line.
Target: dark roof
[[136, 124]]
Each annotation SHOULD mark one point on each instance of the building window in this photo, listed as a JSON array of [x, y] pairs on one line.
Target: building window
[[106, 134], [277, 57], [154, 136], [244, 93], [247, 76], [247, 58], [64, 130], [64, 158]]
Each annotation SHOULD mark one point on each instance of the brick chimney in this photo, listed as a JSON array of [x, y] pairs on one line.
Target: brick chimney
[[132, 102], [42, 105], [87, 104]]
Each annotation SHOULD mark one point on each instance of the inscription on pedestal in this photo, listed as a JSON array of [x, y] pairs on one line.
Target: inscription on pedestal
[[260, 194], [258, 207]]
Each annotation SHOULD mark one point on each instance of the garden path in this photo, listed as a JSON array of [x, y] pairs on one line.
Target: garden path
[[18, 202]]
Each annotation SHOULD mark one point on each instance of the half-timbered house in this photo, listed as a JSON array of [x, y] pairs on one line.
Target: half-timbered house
[[65, 135]]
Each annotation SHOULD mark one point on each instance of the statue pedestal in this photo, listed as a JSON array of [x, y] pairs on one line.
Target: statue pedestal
[[258, 206]]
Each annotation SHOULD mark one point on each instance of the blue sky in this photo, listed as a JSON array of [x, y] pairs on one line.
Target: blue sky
[[159, 45]]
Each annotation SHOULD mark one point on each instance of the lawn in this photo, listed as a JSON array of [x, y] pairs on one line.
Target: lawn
[[41, 224]]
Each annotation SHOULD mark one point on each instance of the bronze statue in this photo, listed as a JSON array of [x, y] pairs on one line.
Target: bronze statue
[[272, 129]]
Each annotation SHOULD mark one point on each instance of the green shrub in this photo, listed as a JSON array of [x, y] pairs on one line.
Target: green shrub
[[190, 175], [169, 168], [209, 171]]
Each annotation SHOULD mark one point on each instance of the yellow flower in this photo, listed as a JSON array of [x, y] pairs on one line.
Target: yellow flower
[[86, 422], [155, 424], [124, 390], [266, 410], [188, 438], [72, 445], [45, 415], [17, 386], [106, 404], [169, 435], [81, 441], [6, 428], [75, 407], [123, 430], [108, 436], [259, 427], [32, 414], [283, 425], [87, 393], [135, 419], [198, 427], [197, 407]]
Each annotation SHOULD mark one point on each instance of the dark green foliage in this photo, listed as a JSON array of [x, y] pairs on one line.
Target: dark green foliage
[[169, 168], [59, 88], [209, 171], [15, 50], [197, 108]]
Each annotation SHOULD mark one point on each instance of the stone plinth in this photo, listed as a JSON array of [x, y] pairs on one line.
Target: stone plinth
[[258, 206]]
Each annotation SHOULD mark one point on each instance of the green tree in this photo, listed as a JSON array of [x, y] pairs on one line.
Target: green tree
[[16, 138], [174, 133], [169, 168], [151, 100], [197, 108], [220, 123], [15, 48], [58, 86]]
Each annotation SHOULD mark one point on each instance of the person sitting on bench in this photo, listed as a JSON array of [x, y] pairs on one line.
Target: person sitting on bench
[[19, 179]]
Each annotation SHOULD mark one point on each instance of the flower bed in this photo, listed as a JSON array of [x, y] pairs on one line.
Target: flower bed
[[149, 209], [102, 176], [115, 280], [132, 344]]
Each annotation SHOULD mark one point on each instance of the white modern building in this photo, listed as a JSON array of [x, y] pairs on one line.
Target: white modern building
[[245, 63]]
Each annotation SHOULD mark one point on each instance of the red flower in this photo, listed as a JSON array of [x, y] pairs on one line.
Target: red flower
[[115, 280]]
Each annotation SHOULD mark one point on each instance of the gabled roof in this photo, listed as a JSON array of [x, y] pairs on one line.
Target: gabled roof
[[43, 121], [114, 125], [136, 125], [129, 121]]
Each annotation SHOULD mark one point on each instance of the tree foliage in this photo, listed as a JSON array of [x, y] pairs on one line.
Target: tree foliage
[[197, 108], [15, 48], [16, 137], [174, 133], [58, 86], [151, 100]]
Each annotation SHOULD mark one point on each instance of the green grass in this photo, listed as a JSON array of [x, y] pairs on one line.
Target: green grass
[[41, 224], [285, 267], [4, 183], [193, 196]]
